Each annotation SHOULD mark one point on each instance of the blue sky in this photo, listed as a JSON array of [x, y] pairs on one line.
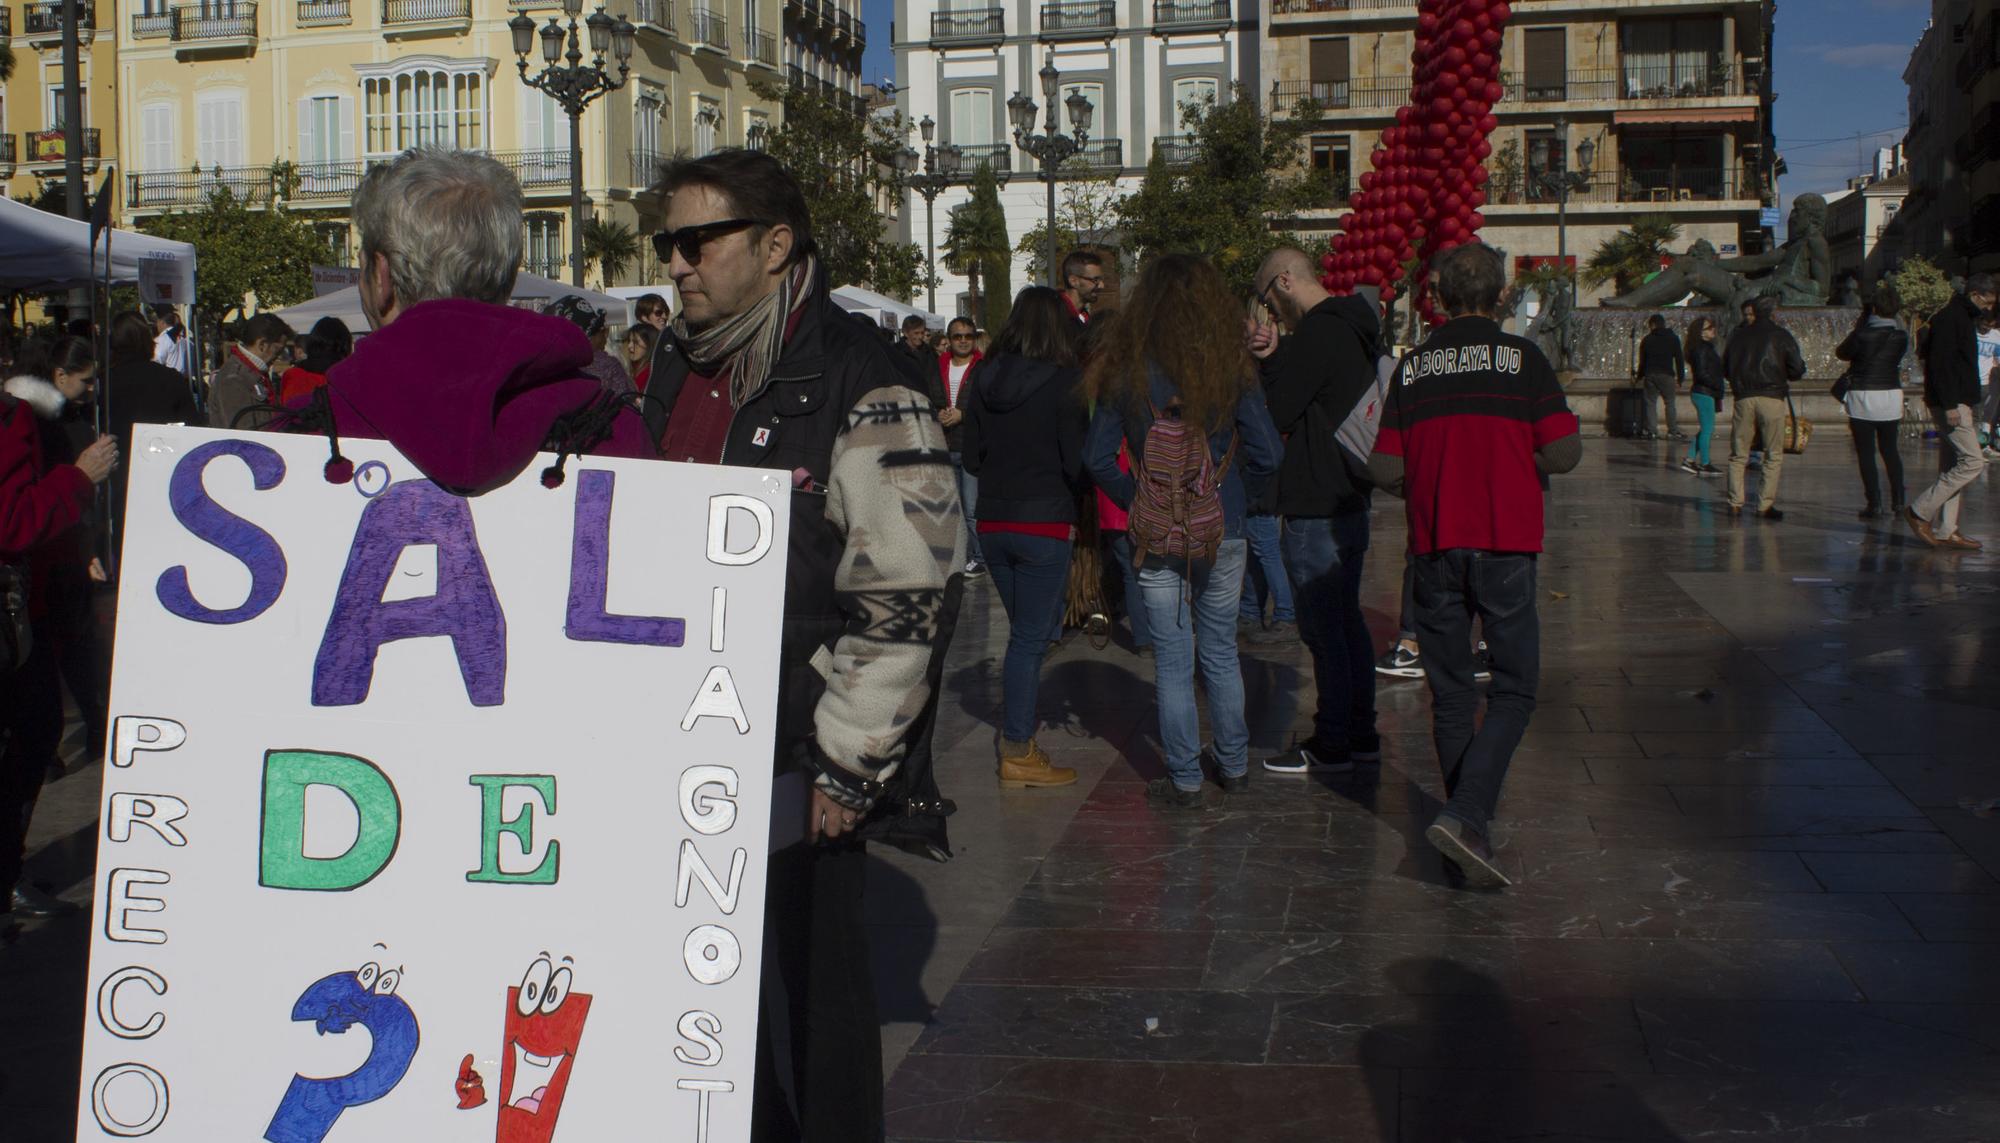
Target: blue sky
[[1839, 71]]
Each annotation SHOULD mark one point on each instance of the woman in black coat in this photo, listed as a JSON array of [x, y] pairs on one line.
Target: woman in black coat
[[140, 391], [1873, 395], [1704, 362]]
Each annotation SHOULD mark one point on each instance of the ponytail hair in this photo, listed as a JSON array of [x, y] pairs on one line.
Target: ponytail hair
[[41, 357]]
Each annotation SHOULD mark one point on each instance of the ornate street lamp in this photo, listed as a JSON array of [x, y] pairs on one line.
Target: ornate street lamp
[[1051, 147], [1562, 184], [941, 169], [574, 84]]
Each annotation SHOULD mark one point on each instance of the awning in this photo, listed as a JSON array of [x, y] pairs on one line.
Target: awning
[[887, 311], [346, 304], [1686, 115], [43, 251]]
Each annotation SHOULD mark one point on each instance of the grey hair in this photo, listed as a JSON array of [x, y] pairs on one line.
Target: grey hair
[[448, 221]]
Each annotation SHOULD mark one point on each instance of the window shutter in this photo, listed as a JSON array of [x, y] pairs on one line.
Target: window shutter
[[346, 113], [1328, 60], [1544, 59], [308, 133]]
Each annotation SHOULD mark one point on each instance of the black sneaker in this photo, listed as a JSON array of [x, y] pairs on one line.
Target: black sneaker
[[1772, 514], [974, 569], [1710, 470], [1690, 467], [1234, 783], [1365, 748], [1468, 847], [1482, 662], [1677, 435], [1309, 757], [1400, 662], [1280, 631], [1163, 793]]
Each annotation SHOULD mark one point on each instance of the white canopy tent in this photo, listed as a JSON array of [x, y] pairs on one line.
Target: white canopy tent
[[346, 304], [885, 311], [43, 251]]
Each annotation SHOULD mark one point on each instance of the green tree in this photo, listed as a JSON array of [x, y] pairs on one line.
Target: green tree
[[1632, 255], [1922, 288], [975, 244], [1087, 201], [614, 246], [1506, 169], [846, 164], [1244, 170], [265, 253], [6, 62]]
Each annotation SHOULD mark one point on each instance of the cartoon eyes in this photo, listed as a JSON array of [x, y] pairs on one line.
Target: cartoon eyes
[[543, 988], [373, 979]]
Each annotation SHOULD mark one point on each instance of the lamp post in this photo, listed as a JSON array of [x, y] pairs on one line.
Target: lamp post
[[1562, 183], [1051, 147], [941, 167], [573, 84]]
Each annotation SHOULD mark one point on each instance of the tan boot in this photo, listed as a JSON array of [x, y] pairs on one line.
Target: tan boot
[[1024, 765]]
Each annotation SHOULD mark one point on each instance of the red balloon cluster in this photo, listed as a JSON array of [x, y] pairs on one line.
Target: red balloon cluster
[[1429, 177]]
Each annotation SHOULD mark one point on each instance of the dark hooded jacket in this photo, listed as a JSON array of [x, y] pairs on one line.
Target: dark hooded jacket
[[1312, 383], [1762, 361], [1024, 427], [1951, 355], [470, 392]]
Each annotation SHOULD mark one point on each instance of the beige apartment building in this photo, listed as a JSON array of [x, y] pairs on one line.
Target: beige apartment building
[[1673, 95], [32, 147], [290, 100], [1952, 213]]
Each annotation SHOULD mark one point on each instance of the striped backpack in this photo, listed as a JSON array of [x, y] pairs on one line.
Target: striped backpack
[[1177, 511]]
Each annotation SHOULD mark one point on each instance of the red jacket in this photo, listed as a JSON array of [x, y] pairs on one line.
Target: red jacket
[[38, 501], [944, 376]]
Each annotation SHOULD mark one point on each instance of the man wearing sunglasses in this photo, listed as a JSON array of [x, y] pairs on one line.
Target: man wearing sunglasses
[[1083, 280], [760, 368], [953, 375]]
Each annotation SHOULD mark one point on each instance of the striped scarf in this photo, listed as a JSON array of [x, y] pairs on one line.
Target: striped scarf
[[747, 345]]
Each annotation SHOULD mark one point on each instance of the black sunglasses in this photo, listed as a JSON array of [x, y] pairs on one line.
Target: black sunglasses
[[1264, 295], [690, 239]]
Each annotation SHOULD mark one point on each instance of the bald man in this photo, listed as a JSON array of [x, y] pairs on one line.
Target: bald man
[[1312, 381]]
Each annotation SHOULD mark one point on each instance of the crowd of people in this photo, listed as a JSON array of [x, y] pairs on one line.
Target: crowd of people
[[1225, 464]]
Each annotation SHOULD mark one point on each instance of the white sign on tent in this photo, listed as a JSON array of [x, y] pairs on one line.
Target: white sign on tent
[[428, 817], [165, 278]]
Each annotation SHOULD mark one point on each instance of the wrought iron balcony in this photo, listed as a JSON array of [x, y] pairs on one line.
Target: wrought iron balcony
[[1192, 15], [152, 25], [164, 190], [1079, 19], [537, 169], [654, 14], [646, 168], [1340, 95], [325, 13], [1103, 153], [397, 12], [7, 151], [763, 48], [1177, 150], [42, 20], [319, 181], [999, 156], [969, 26], [50, 146], [6, 21], [236, 20], [708, 28], [1308, 7]]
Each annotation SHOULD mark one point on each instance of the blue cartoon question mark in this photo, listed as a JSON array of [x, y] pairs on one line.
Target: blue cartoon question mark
[[335, 1004]]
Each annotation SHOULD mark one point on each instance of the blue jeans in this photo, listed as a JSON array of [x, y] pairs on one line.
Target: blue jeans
[[968, 500], [1031, 573], [1325, 556], [1499, 587], [1135, 605], [1265, 573], [1704, 408], [1206, 632]]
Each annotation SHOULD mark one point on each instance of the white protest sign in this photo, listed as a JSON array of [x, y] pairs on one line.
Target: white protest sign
[[331, 279], [431, 818], [166, 278]]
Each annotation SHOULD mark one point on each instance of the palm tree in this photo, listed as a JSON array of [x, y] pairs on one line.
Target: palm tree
[[975, 244], [1633, 254], [612, 245]]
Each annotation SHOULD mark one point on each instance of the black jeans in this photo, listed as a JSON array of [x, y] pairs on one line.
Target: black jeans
[[818, 1003], [1323, 556], [31, 720], [1499, 587], [1869, 438]]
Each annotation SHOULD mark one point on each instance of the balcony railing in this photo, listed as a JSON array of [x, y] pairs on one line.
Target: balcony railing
[[654, 13], [860, 33], [646, 167], [51, 146], [708, 28], [1297, 7], [764, 48], [1192, 14], [338, 180], [233, 21], [1689, 81], [969, 25], [1632, 185], [795, 76], [44, 18], [152, 25], [6, 151], [1596, 84], [160, 190], [1177, 150], [999, 156], [1079, 16], [325, 13], [537, 168], [424, 11], [1105, 153], [843, 25], [6, 22], [1341, 95]]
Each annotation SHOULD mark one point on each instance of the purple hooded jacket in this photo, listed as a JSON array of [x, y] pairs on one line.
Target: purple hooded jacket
[[469, 391]]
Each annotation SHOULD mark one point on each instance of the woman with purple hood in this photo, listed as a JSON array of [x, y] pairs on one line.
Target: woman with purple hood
[[465, 386]]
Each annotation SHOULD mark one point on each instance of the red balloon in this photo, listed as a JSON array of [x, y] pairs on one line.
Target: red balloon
[[1488, 123], [1482, 149], [1495, 92], [1476, 198], [1475, 220], [1499, 12]]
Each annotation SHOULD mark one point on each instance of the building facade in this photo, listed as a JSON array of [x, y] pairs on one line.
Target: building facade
[[1673, 95], [1137, 62], [1952, 212], [823, 42], [291, 100], [32, 144], [1860, 223]]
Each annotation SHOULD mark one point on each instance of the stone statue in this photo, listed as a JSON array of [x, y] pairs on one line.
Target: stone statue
[[1799, 273], [1553, 327]]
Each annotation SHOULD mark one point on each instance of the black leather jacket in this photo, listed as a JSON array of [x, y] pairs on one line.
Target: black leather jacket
[[1762, 361], [1874, 353]]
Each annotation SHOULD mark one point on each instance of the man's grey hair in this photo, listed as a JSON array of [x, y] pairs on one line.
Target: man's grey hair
[[1469, 279], [448, 221], [1980, 282]]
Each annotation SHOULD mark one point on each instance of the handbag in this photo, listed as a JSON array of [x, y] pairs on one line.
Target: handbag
[[16, 637], [1842, 386], [1798, 430]]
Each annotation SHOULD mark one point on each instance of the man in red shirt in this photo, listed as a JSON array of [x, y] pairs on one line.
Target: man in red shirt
[[1474, 422]]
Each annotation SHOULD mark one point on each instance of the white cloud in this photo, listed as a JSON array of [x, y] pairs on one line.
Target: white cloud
[[1891, 57]]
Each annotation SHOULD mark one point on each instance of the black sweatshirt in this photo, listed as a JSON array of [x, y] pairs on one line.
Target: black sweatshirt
[[1660, 356], [1951, 355], [1024, 428], [1311, 384]]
